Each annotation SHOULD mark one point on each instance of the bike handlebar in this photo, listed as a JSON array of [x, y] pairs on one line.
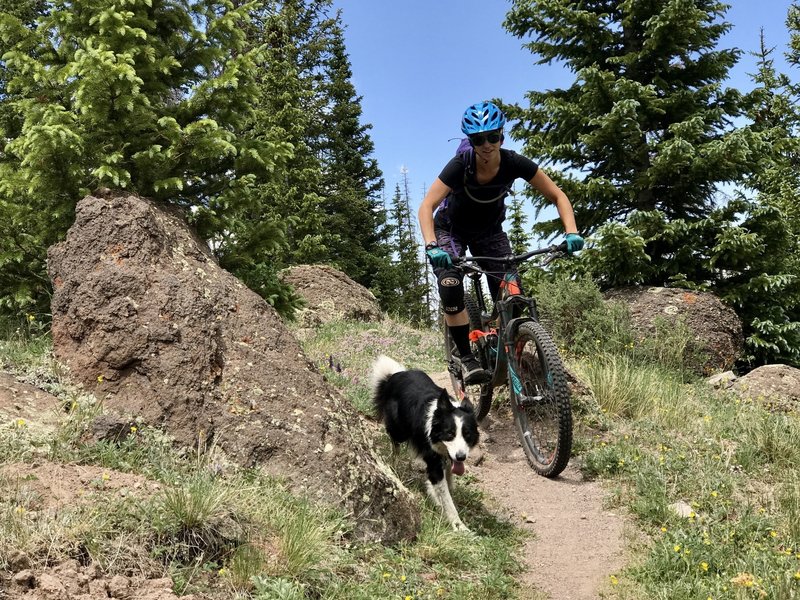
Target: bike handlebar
[[555, 249]]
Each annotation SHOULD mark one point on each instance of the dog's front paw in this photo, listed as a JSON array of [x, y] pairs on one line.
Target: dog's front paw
[[459, 526]]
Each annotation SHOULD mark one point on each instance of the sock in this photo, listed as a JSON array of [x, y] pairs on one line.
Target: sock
[[460, 335]]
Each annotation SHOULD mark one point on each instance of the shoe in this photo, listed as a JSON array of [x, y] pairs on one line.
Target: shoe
[[473, 371]]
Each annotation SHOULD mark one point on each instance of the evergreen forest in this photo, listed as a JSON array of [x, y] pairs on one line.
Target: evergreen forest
[[245, 115]]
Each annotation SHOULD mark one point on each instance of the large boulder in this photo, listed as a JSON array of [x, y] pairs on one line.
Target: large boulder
[[715, 328], [774, 382], [330, 295], [146, 319]]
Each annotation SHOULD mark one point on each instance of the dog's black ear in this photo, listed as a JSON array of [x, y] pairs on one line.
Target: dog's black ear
[[466, 406], [444, 401]]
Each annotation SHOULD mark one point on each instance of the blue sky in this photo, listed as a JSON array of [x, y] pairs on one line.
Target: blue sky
[[419, 63]]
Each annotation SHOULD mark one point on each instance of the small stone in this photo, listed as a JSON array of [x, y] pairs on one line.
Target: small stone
[[721, 380], [51, 588], [119, 587], [18, 561], [682, 509], [24, 579]]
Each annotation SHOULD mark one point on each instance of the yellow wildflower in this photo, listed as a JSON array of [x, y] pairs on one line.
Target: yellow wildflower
[[614, 580], [704, 566]]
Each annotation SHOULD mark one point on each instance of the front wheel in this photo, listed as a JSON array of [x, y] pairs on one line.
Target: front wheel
[[540, 400]]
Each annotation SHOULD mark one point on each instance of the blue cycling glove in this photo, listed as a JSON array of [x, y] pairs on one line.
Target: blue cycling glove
[[574, 242], [438, 257]]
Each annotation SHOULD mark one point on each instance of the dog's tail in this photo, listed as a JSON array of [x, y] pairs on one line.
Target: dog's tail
[[382, 369]]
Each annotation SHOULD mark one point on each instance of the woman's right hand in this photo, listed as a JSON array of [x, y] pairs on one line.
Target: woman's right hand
[[439, 258]]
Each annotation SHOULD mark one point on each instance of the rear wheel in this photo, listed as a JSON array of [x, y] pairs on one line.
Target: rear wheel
[[540, 400], [480, 396]]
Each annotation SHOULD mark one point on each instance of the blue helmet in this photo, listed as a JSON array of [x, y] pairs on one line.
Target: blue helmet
[[483, 116]]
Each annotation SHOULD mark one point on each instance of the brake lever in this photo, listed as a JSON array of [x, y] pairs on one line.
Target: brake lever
[[553, 256]]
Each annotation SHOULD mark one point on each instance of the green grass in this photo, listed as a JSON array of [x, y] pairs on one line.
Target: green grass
[[732, 462], [351, 348], [233, 533], [657, 441]]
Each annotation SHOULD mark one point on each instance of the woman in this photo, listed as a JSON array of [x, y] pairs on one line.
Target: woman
[[475, 184]]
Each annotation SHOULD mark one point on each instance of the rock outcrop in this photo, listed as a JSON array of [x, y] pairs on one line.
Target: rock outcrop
[[146, 319], [715, 328], [776, 382], [330, 295]]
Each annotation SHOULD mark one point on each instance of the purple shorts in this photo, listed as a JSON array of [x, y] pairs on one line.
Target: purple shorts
[[494, 244]]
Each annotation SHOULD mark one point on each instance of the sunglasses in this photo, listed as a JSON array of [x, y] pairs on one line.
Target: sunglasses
[[479, 139]]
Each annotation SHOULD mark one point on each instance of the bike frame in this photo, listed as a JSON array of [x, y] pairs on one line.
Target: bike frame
[[503, 314], [539, 395], [510, 303]]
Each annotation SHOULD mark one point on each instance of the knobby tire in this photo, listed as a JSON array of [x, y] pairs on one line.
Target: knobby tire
[[540, 400]]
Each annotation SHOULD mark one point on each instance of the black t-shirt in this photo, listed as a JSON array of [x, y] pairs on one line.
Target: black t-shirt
[[481, 207]]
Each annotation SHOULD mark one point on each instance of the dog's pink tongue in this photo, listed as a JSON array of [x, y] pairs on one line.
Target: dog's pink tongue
[[458, 467]]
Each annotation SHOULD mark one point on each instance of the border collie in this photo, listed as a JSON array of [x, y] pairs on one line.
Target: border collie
[[438, 429]]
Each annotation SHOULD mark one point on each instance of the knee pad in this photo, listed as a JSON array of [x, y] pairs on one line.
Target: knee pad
[[451, 291]]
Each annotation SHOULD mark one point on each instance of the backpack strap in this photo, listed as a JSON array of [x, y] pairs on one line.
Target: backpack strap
[[469, 170], [464, 151]]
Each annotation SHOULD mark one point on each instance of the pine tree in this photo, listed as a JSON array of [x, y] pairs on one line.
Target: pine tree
[[646, 124], [150, 97], [409, 270], [352, 181], [329, 192], [284, 111], [517, 234], [27, 11], [766, 291], [746, 250]]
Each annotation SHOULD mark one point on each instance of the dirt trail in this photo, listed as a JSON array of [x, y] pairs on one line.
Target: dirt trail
[[576, 543]]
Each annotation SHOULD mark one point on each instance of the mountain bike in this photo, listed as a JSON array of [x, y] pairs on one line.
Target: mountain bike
[[513, 346]]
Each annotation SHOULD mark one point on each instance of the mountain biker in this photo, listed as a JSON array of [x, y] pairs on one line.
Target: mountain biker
[[475, 184]]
